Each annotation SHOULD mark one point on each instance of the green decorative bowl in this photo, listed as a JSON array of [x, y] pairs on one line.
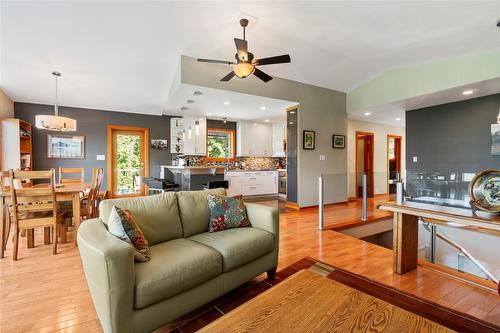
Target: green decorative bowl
[[484, 191]]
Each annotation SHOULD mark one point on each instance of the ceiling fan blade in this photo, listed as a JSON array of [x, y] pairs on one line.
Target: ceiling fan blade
[[242, 48], [281, 59], [261, 75], [212, 61], [228, 77]]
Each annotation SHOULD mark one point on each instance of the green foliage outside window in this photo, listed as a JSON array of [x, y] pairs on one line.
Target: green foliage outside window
[[128, 158], [219, 144]]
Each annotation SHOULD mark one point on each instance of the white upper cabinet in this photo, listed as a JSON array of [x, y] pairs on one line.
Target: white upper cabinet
[[254, 139], [188, 135], [279, 140]]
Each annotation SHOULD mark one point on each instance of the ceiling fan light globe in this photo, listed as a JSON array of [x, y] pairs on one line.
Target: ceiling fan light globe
[[244, 70]]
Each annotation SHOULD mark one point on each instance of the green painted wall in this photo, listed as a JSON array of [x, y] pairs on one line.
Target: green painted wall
[[417, 80]]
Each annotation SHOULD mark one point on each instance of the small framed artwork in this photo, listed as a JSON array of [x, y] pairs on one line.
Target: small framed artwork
[[338, 141], [309, 140], [65, 146], [159, 144]]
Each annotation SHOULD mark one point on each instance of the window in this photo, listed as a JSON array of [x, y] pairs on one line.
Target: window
[[220, 144]]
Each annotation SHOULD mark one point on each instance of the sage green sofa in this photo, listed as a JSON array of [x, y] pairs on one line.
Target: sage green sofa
[[189, 266]]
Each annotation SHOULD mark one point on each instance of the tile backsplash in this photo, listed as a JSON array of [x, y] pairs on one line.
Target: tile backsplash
[[248, 163]]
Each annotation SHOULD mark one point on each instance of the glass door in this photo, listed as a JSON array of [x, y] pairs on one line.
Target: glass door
[[129, 160]]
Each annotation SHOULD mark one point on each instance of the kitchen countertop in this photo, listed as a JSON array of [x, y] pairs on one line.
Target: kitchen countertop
[[201, 167]]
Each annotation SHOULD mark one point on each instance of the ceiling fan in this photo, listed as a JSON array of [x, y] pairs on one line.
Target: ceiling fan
[[245, 64]]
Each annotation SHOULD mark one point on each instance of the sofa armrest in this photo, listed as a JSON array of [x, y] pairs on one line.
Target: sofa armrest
[[108, 263], [265, 218]]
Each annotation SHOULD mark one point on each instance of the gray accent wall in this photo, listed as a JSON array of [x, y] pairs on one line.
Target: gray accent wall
[[453, 137], [320, 109], [93, 125]]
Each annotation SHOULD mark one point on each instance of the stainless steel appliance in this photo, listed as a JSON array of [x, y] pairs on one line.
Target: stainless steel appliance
[[282, 181]]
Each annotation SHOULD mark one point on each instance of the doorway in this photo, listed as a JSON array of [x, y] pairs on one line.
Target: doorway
[[364, 162], [393, 162], [128, 160]]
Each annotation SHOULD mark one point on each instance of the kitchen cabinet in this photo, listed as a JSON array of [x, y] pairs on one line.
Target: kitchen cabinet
[[279, 140], [252, 182], [254, 139], [188, 136]]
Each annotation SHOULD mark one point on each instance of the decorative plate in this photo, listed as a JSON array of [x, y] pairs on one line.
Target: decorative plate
[[484, 191]]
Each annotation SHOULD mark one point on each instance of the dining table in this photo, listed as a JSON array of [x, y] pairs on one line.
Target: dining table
[[64, 192]]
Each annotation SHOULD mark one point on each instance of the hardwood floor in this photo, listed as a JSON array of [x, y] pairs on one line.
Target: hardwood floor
[[46, 293]]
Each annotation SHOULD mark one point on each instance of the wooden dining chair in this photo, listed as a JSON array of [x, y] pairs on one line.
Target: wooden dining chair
[[92, 202], [89, 203], [34, 206], [64, 172], [5, 216]]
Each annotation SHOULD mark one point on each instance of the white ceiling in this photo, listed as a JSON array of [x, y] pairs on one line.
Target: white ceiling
[[121, 55], [387, 114], [211, 104]]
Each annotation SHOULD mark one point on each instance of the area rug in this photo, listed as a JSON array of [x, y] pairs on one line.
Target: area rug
[[447, 317]]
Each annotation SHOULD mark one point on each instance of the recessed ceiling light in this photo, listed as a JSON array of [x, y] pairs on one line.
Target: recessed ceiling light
[[267, 120], [184, 108], [197, 93], [226, 103], [209, 114], [398, 119], [255, 124], [367, 113], [262, 107], [190, 101], [467, 92]]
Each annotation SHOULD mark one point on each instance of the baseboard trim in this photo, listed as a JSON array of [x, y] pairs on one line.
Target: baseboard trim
[[292, 205]]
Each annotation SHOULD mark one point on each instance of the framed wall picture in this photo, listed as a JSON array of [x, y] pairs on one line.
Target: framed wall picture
[[338, 141], [65, 146], [161, 144], [309, 140]]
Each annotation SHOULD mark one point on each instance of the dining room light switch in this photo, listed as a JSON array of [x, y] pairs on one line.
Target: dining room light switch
[[101, 157]]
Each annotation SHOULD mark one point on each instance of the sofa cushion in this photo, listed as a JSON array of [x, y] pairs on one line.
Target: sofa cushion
[[227, 213], [194, 212], [123, 225], [175, 266], [157, 215], [237, 246]]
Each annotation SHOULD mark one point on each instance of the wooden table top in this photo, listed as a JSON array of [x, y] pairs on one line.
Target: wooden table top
[[452, 214], [61, 188], [309, 302]]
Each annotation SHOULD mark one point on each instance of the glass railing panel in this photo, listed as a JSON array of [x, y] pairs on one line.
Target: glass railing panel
[[439, 188]]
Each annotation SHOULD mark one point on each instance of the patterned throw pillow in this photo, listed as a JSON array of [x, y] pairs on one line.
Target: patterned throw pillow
[[123, 225], [227, 213]]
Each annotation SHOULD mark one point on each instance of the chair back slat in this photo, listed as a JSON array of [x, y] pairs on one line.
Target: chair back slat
[[21, 174], [64, 179], [33, 191], [40, 207]]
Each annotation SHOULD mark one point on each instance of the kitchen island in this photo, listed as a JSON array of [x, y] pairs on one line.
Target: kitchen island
[[192, 178], [246, 182]]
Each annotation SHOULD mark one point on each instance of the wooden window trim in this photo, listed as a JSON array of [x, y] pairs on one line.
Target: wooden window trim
[[233, 145]]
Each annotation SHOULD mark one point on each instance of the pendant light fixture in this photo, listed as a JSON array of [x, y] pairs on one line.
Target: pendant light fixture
[[55, 122]]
